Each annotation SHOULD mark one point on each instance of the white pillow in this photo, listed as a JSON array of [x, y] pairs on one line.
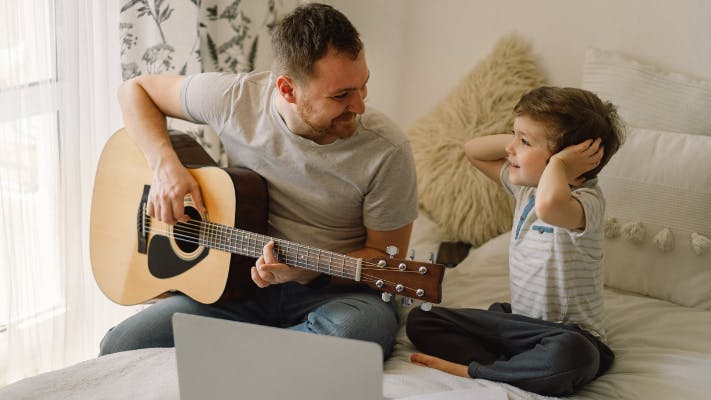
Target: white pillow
[[659, 180], [647, 96]]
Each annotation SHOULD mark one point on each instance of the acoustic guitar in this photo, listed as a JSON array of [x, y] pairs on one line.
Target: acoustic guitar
[[136, 258]]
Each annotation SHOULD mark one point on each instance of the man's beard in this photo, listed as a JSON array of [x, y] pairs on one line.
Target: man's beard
[[341, 127]]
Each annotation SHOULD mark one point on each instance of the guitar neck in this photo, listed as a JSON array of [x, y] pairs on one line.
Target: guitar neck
[[238, 241]]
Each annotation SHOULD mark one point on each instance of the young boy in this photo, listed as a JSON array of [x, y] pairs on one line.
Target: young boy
[[550, 338]]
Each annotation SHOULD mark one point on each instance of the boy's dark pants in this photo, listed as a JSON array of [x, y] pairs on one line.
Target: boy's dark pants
[[548, 358]]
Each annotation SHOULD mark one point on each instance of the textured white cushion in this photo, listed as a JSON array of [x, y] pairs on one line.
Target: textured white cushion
[[647, 96], [661, 180]]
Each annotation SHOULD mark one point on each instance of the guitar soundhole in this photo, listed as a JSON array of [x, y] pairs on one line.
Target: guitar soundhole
[[187, 234]]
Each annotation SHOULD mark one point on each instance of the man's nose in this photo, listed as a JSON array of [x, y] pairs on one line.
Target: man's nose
[[357, 104]]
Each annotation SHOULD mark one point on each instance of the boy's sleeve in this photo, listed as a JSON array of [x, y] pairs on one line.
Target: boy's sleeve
[[593, 205], [504, 178]]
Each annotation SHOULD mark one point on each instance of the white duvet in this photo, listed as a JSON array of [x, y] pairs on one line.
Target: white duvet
[[662, 350]]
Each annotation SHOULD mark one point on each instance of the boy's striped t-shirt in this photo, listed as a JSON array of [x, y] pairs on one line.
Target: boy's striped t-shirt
[[555, 273]]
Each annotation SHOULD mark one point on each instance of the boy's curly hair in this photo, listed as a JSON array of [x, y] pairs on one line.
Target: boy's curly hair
[[572, 116]]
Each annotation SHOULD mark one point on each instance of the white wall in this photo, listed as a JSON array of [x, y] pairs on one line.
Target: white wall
[[418, 50]]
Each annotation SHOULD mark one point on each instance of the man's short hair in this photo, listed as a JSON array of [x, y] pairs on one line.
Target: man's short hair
[[572, 116], [306, 34]]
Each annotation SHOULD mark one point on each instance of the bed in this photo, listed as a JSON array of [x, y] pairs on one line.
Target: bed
[[657, 252], [662, 349]]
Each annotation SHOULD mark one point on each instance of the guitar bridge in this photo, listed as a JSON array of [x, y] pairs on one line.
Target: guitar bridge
[[142, 224]]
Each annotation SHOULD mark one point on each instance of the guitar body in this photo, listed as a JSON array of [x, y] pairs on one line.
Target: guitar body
[[132, 265]]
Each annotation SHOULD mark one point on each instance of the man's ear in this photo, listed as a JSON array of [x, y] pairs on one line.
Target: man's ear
[[286, 87]]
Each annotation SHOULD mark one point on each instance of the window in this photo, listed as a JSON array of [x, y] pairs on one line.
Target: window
[[30, 283]]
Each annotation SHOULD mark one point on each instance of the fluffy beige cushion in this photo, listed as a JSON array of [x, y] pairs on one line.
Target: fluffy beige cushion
[[461, 200]]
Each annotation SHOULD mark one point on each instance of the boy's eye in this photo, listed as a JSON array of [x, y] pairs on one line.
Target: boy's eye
[[525, 142]]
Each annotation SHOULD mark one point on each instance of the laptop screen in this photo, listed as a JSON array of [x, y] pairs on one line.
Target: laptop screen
[[220, 359]]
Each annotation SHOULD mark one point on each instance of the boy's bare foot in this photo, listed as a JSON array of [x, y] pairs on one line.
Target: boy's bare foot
[[440, 364]]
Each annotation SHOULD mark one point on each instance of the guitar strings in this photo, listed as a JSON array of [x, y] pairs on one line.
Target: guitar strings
[[230, 239], [190, 231]]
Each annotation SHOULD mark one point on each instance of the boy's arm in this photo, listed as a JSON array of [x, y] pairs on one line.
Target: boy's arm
[[488, 154], [555, 203]]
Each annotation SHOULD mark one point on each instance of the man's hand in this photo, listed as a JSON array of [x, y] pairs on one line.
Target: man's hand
[[579, 159], [268, 271], [440, 364], [166, 199]]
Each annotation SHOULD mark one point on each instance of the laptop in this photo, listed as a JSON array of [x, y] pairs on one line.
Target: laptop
[[220, 359]]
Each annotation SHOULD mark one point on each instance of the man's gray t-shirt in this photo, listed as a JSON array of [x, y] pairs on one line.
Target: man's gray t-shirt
[[321, 195]]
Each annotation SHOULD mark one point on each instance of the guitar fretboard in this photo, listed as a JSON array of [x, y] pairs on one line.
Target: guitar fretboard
[[238, 241]]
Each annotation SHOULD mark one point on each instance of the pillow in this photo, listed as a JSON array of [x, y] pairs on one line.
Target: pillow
[[649, 97], [425, 238], [658, 217], [461, 200]]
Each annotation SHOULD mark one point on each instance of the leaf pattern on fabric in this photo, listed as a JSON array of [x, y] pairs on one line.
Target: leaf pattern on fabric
[[192, 36]]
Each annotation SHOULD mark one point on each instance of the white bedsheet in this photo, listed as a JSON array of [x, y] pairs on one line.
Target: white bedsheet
[[661, 348]]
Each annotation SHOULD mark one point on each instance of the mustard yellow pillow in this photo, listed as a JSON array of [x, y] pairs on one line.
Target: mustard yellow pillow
[[462, 201]]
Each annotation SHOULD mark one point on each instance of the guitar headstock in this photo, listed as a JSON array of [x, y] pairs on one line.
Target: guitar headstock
[[415, 279]]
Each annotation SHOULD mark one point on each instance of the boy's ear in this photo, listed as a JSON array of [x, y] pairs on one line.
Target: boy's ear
[[286, 87]]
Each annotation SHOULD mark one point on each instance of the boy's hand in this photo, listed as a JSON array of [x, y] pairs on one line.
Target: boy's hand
[[579, 159], [440, 364]]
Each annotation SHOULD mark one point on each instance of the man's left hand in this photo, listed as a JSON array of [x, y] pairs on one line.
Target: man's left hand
[[269, 271]]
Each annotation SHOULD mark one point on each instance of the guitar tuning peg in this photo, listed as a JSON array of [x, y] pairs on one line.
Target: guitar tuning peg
[[386, 297], [406, 301], [392, 251], [426, 306], [412, 254], [432, 258]]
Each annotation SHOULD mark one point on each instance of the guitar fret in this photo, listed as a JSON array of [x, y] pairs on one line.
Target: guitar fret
[[307, 258], [241, 245], [330, 262], [286, 253]]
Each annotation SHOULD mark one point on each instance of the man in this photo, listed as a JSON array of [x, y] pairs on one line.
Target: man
[[340, 177]]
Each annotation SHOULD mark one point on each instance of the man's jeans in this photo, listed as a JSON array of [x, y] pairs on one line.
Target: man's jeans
[[356, 313]]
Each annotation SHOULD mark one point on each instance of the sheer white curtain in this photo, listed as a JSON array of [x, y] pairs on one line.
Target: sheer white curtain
[[59, 71]]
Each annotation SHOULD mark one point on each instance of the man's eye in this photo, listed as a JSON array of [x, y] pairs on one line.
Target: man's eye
[[341, 96]]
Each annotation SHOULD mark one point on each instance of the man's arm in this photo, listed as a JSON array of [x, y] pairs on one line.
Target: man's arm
[[377, 241], [488, 154], [555, 203], [145, 102], [267, 271]]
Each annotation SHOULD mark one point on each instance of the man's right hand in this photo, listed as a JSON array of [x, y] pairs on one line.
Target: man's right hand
[[171, 183], [146, 101]]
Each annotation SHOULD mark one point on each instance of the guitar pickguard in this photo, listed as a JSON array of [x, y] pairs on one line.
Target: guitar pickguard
[[164, 263]]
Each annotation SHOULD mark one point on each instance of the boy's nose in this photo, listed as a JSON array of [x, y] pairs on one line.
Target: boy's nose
[[509, 148]]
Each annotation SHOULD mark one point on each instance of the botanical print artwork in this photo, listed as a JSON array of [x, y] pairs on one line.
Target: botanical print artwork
[[232, 36], [191, 36]]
